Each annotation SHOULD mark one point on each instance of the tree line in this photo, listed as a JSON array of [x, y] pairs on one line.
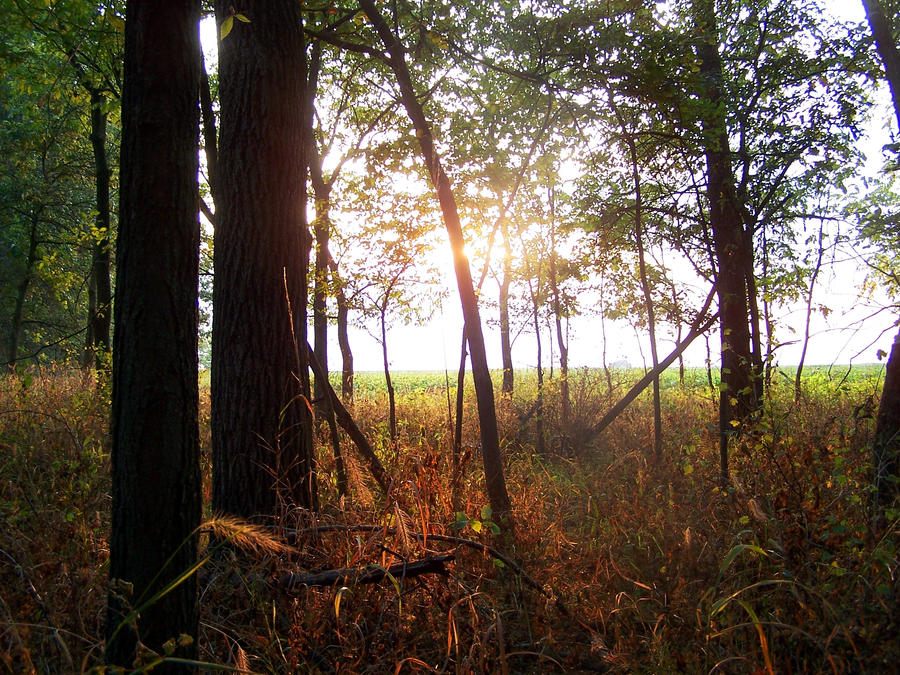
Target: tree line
[[711, 132]]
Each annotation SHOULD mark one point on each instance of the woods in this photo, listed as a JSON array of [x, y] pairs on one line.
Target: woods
[[550, 172]]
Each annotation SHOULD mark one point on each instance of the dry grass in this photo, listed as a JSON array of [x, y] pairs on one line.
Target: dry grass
[[661, 570]]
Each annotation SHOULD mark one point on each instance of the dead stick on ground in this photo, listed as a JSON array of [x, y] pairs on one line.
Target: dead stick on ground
[[294, 535], [369, 575]]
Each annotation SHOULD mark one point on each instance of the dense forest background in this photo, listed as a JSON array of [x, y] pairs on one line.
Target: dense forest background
[[183, 231]]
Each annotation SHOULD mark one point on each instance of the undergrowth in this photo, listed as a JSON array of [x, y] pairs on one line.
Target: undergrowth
[[640, 567]]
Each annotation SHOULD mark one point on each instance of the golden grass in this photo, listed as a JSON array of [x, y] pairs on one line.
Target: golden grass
[[661, 570]]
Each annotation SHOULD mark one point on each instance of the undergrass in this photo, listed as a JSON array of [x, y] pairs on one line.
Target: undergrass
[[660, 570]]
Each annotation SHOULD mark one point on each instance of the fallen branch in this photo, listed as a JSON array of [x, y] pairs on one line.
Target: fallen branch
[[293, 536], [369, 575], [699, 327]]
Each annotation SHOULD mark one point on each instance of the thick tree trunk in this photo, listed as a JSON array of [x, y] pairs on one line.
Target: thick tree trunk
[[884, 35], [886, 447], [261, 422], [100, 309], [737, 400], [155, 439], [484, 389]]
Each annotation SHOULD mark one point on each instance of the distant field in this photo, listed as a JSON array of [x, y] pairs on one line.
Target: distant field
[[371, 383]]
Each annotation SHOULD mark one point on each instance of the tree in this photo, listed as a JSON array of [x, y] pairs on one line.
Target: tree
[[886, 446], [261, 422], [155, 437], [484, 389]]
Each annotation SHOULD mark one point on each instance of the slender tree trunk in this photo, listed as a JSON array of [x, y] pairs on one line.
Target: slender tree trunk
[[885, 41], [99, 313], [736, 400], [539, 401], [809, 304], [343, 335], [210, 134], [484, 389], [261, 422], [460, 397], [565, 405], [156, 494], [505, 337], [22, 290], [392, 405], [648, 297]]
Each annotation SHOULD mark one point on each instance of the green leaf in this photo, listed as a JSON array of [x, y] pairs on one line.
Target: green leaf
[[486, 512], [242, 18], [227, 25], [495, 528], [475, 525]]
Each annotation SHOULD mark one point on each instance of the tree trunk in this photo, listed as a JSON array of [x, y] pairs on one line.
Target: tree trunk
[[648, 297], [99, 310], [539, 401], [460, 393], [884, 33], [484, 389], [809, 304], [343, 336], [558, 317], [392, 405], [261, 422], [886, 447], [22, 291], [505, 341], [736, 399], [156, 494]]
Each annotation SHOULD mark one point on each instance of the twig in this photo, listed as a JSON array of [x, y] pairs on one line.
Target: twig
[[368, 575], [294, 535]]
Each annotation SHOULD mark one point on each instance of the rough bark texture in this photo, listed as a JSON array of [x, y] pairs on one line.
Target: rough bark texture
[[155, 446], [484, 388], [261, 421], [886, 448], [883, 33], [736, 399]]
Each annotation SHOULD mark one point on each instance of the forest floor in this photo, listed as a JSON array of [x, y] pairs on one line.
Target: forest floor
[[641, 566]]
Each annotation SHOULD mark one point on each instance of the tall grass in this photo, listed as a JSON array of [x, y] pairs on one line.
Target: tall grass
[[660, 570]]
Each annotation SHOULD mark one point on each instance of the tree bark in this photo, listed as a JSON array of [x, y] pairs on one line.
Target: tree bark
[[392, 403], [22, 290], [261, 420], [484, 389], [886, 447], [565, 404], [343, 335], [505, 341], [883, 32], [345, 419], [736, 398], [155, 438], [100, 309]]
